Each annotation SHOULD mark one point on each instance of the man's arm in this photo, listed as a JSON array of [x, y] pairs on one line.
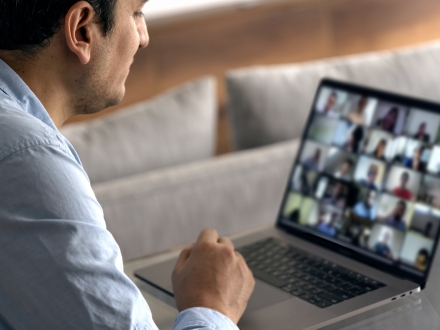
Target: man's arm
[[61, 268]]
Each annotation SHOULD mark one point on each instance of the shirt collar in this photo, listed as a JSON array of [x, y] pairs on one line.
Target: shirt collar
[[13, 86]]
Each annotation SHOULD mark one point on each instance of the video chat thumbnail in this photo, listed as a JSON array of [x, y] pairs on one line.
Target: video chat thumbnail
[[340, 164], [386, 241]]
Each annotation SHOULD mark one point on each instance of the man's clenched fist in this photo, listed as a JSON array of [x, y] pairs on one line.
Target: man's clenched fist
[[211, 274]]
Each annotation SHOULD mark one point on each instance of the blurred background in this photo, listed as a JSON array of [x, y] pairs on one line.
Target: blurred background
[[191, 38]]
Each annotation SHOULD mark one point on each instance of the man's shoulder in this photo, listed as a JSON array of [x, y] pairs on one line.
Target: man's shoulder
[[20, 130]]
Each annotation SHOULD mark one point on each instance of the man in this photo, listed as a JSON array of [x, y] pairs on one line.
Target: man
[[354, 140], [402, 191], [364, 209], [395, 219], [330, 105], [382, 248], [416, 162], [428, 229], [422, 260], [421, 134], [61, 268], [312, 162], [357, 116], [336, 195], [329, 228], [344, 171], [369, 182]]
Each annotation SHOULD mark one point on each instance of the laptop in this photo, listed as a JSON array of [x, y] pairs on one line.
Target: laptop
[[359, 221]]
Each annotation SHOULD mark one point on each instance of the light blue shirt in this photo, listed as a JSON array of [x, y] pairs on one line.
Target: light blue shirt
[[60, 268], [363, 211], [327, 230]]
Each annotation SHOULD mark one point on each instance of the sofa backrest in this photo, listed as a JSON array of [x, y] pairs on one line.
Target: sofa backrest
[[271, 104], [174, 128]]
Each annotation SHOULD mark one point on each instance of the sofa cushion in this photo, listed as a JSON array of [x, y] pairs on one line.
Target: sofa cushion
[[271, 104], [156, 211], [174, 128]]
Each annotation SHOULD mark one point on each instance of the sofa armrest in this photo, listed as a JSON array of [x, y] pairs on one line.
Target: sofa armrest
[[159, 210]]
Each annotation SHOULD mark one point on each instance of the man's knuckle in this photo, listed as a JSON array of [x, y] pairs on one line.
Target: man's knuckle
[[206, 245], [228, 252]]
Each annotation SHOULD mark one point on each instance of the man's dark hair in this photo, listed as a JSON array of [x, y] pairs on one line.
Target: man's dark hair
[[26, 25]]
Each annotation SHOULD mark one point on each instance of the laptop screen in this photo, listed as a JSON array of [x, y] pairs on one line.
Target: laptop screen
[[367, 176]]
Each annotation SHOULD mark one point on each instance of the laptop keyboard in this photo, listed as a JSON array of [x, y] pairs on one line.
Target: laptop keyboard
[[306, 276]]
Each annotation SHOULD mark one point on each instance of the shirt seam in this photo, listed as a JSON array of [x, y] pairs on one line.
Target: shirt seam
[[199, 324], [29, 147], [12, 97]]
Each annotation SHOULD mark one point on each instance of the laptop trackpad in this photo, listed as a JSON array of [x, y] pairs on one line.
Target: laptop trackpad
[[265, 295]]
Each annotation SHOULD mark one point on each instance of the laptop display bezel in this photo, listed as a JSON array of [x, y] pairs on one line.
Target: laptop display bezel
[[335, 245]]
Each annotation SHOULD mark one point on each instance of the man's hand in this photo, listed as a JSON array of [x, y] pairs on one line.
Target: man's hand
[[211, 274]]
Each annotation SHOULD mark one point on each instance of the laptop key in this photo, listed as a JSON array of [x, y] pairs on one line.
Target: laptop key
[[330, 298], [296, 292], [315, 291], [357, 291], [341, 294], [306, 287], [288, 288], [323, 304], [267, 278], [305, 296], [367, 287], [312, 300]]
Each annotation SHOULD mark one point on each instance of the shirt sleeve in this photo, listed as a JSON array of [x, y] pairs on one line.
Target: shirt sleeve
[[199, 318], [60, 267]]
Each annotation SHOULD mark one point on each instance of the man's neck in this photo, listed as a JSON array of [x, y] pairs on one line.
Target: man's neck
[[38, 76]]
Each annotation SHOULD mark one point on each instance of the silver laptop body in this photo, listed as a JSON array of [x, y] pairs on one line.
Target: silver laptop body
[[364, 219]]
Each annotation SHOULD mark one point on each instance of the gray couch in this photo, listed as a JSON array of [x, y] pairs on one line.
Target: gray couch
[[152, 166]]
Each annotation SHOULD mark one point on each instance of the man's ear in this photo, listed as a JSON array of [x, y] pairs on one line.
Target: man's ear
[[80, 30]]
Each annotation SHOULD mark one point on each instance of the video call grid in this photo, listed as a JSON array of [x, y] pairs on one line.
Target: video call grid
[[387, 167]]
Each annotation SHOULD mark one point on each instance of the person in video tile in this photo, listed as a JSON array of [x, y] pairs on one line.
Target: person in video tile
[[388, 122], [312, 163], [415, 162], [421, 134], [345, 170], [422, 260], [371, 177], [395, 219], [379, 152], [355, 139], [364, 209], [305, 186], [330, 104], [427, 230], [357, 116], [336, 195], [402, 191], [382, 248], [329, 228]]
